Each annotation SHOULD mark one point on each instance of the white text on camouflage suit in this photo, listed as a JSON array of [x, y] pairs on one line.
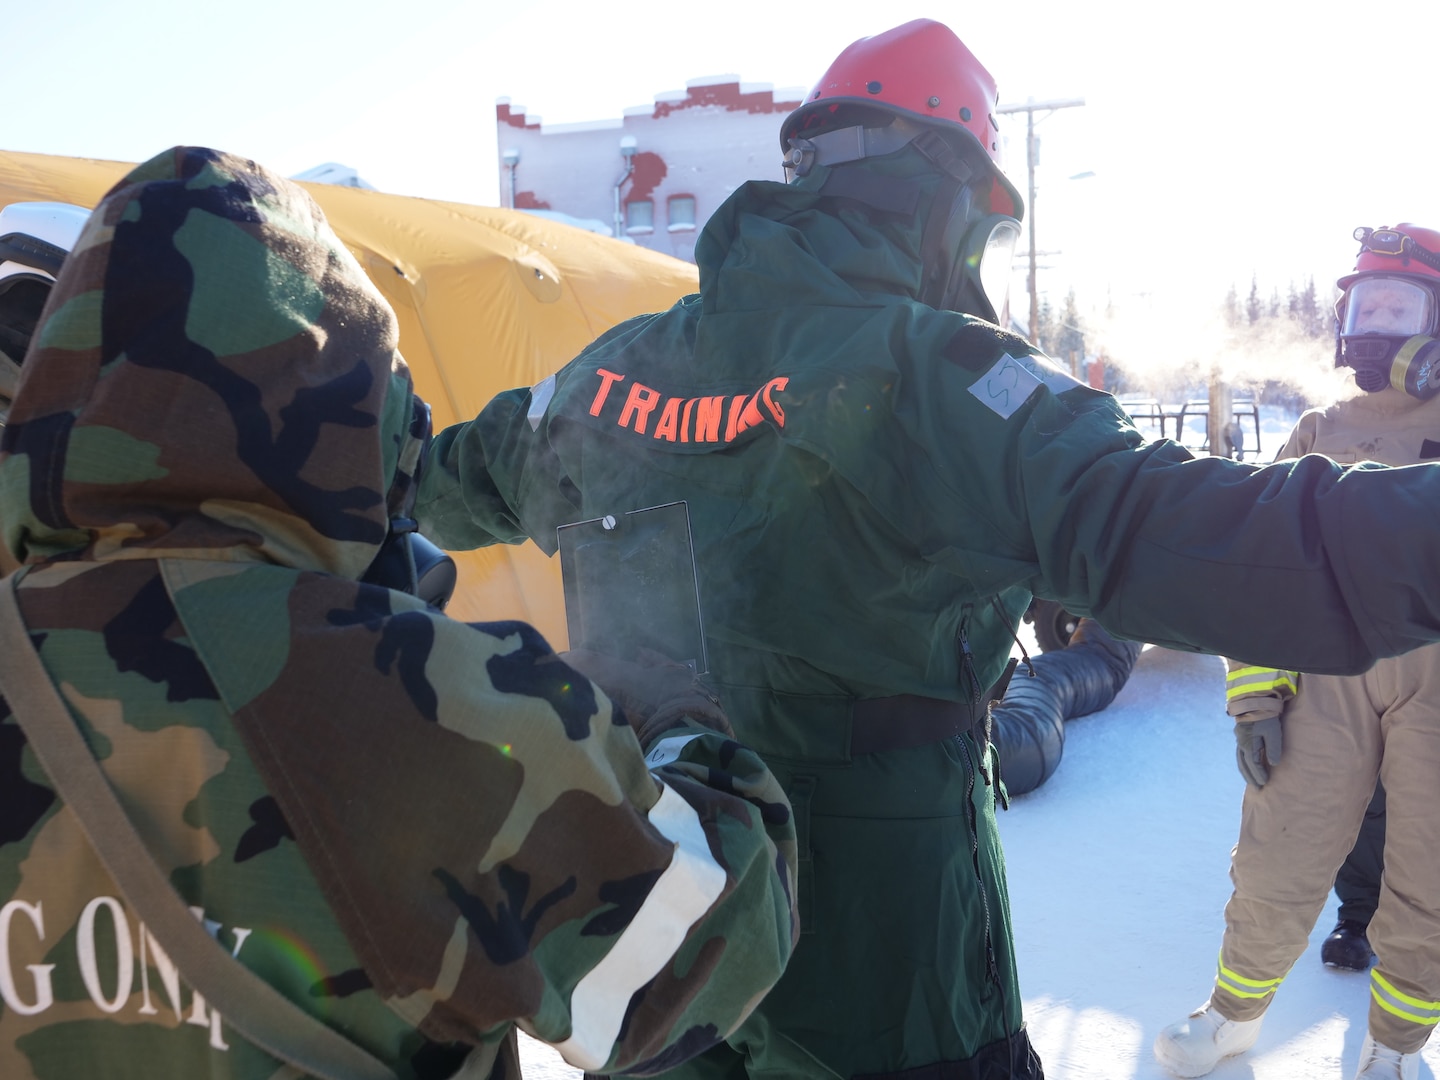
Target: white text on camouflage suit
[[40, 995]]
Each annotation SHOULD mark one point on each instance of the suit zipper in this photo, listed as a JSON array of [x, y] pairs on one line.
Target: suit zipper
[[992, 968]]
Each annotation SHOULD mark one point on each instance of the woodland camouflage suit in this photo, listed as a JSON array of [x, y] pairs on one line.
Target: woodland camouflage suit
[[424, 832]]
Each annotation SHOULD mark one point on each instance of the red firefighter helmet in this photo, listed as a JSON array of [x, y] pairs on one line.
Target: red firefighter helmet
[[920, 71], [1404, 249]]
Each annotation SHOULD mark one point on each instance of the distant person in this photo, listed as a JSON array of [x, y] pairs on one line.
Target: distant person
[[419, 836], [878, 478], [1312, 747]]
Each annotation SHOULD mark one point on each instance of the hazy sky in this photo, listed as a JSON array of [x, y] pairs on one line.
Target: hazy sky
[[1225, 139]]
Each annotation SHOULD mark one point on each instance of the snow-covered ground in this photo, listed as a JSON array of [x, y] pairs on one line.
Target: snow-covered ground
[[1118, 877], [1118, 870]]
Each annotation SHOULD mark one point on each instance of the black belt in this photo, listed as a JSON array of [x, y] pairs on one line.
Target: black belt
[[905, 720]]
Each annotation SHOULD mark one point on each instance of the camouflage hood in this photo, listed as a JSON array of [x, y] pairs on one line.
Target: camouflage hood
[[140, 428]]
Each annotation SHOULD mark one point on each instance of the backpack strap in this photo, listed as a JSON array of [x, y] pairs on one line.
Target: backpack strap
[[249, 1004]]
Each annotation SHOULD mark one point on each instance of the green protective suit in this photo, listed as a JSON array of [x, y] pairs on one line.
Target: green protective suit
[[426, 833], [875, 490]]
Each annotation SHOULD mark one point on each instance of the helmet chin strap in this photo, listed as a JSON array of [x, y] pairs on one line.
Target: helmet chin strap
[[843, 145]]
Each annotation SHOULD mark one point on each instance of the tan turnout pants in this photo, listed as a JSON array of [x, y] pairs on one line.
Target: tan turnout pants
[[1339, 734]]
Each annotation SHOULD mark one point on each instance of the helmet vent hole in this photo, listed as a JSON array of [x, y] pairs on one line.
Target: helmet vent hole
[[933, 102], [965, 114], [873, 87]]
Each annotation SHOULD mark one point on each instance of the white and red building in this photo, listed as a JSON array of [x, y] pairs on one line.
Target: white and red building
[[655, 175]]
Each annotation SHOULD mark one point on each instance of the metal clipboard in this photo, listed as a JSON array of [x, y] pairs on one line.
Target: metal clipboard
[[630, 583]]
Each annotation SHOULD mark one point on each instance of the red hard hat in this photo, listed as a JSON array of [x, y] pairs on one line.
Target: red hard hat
[[921, 71], [1393, 250]]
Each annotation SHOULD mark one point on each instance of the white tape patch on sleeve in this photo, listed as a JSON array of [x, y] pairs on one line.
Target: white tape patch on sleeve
[[1010, 382], [1056, 379], [540, 395], [667, 750], [682, 894]]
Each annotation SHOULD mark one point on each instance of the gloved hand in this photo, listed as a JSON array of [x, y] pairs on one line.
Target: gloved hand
[[1257, 749], [654, 692]]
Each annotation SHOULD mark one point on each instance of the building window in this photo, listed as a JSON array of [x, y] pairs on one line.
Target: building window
[[682, 213], [640, 216]]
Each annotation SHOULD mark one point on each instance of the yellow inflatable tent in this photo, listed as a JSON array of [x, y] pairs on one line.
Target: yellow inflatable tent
[[487, 299]]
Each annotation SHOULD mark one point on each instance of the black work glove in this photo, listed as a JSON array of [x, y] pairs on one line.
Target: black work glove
[[654, 692], [1257, 748]]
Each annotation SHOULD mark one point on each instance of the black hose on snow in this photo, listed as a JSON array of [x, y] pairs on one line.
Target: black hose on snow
[[1028, 724]]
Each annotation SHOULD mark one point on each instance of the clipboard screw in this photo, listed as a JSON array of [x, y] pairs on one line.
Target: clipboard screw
[[607, 522]]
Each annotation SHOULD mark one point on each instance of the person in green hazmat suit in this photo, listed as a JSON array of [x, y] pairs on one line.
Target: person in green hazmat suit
[[879, 478]]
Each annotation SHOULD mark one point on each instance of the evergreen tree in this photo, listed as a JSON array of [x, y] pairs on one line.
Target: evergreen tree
[[1252, 303], [1048, 332], [1232, 308], [1070, 340], [1313, 322]]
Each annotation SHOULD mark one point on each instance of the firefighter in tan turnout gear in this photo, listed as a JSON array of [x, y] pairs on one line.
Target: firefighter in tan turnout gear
[[1312, 746]]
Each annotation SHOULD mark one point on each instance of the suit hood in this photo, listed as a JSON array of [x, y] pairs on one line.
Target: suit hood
[[811, 244], [213, 377]]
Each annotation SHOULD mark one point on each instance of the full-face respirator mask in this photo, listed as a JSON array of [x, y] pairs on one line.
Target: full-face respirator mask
[[967, 250], [1389, 314], [407, 561]]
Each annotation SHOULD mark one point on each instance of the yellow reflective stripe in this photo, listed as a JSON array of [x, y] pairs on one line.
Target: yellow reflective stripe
[[1275, 675], [1241, 987], [1253, 680], [1409, 1008]]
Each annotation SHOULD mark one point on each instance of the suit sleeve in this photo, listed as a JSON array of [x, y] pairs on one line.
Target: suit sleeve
[[485, 482], [1301, 565], [630, 907], [1257, 693], [495, 846]]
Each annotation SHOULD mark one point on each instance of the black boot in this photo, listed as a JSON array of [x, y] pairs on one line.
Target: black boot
[[1347, 947]]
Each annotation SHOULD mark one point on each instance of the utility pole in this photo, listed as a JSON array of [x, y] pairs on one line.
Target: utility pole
[[627, 152], [511, 157], [1032, 146]]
